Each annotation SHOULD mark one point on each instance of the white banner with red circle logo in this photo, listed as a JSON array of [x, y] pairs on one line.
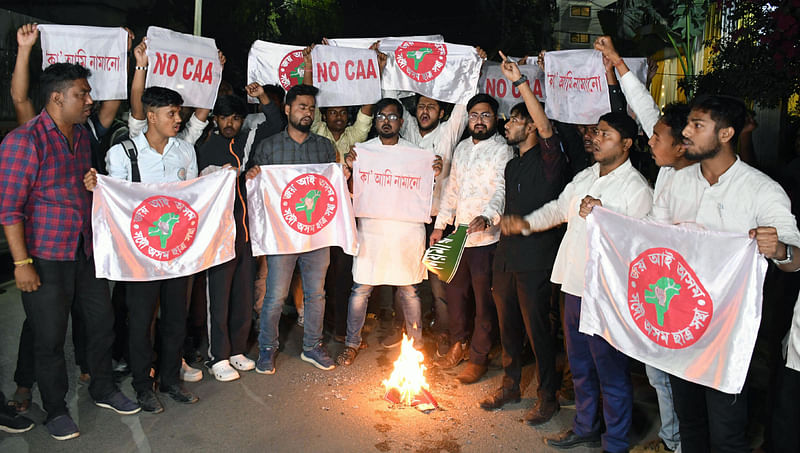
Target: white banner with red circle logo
[[439, 70], [685, 301], [144, 232], [300, 208], [187, 64], [102, 50], [345, 76], [269, 63]]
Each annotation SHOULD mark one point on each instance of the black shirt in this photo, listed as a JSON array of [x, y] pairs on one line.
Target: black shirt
[[532, 180]]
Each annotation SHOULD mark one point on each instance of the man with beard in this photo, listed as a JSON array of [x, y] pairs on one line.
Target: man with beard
[[295, 145], [405, 246], [229, 286], [46, 218], [723, 193], [522, 264], [475, 195]]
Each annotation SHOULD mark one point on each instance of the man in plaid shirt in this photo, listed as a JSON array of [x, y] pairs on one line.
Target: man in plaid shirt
[[46, 213]]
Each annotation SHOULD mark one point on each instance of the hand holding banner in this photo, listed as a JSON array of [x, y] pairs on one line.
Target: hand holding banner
[[393, 183], [345, 76], [443, 257], [103, 50], [279, 64], [187, 64]]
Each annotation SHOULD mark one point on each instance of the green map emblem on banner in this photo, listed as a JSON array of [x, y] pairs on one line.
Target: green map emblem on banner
[[443, 257]]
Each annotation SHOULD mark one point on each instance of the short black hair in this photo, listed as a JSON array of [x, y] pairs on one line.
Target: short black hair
[[300, 90], [59, 77], [418, 96], [381, 104], [622, 123], [230, 105], [155, 97], [522, 110], [274, 90], [675, 116], [726, 111], [483, 97]]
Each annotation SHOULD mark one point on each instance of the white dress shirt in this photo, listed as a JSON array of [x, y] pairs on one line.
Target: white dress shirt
[[390, 251], [476, 187], [441, 140], [623, 190], [177, 163]]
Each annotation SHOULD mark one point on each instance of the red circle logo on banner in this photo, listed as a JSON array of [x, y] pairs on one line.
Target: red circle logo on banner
[[292, 69], [309, 203], [422, 61], [163, 227], [666, 299]]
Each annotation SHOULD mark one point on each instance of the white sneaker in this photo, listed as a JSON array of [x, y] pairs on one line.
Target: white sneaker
[[189, 374], [224, 372], [242, 363]]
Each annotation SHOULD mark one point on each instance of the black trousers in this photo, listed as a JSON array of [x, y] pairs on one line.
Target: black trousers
[[65, 283], [143, 298], [523, 306], [473, 278], [710, 420], [784, 432], [338, 282], [229, 291]]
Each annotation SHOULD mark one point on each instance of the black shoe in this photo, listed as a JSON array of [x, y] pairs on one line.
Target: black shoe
[[149, 402], [500, 398], [542, 412], [180, 394], [393, 340], [571, 440], [13, 423]]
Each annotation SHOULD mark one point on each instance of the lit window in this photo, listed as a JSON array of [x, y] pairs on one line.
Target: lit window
[[580, 11], [579, 38]]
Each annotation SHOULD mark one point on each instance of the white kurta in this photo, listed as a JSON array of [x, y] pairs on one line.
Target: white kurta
[[390, 251]]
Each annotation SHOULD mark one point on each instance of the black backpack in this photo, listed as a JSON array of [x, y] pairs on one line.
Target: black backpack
[[133, 155]]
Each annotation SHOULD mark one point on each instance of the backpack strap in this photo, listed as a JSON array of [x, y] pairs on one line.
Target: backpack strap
[[133, 155]]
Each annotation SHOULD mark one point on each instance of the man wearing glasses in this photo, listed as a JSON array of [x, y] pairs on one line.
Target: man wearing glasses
[[474, 195]]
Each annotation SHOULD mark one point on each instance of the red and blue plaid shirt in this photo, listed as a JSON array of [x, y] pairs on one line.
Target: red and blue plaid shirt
[[41, 184]]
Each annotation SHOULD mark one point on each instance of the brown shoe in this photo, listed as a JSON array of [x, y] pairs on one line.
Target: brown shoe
[[500, 398], [347, 356], [472, 373], [542, 412], [453, 357]]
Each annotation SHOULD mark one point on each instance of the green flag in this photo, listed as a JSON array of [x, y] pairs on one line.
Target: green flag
[[443, 257]]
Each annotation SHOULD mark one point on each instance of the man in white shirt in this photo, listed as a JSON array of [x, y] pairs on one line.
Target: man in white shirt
[[597, 368], [723, 193], [380, 239], [162, 158], [475, 195]]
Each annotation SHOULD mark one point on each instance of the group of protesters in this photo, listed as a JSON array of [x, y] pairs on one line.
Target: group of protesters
[[515, 186]]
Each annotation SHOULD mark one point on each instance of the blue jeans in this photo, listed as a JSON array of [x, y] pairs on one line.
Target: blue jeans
[[598, 369], [313, 266], [357, 312], [669, 431]]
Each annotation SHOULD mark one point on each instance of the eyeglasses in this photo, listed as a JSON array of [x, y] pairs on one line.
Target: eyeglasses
[[484, 116], [390, 117]]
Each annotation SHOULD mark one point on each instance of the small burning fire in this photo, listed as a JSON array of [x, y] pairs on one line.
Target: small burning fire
[[407, 383]]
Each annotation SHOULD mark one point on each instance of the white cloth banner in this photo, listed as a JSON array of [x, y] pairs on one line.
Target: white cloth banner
[[102, 50], [685, 301], [300, 208], [438, 70], [345, 76], [575, 86], [393, 183], [496, 85], [145, 232], [187, 64], [365, 43], [278, 64]]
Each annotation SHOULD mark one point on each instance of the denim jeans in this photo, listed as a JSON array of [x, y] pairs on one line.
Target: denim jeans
[[357, 312], [313, 267], [669, 431]]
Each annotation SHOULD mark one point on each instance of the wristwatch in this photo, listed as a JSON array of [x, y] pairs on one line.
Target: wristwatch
[[520, 81], [789, 256]]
